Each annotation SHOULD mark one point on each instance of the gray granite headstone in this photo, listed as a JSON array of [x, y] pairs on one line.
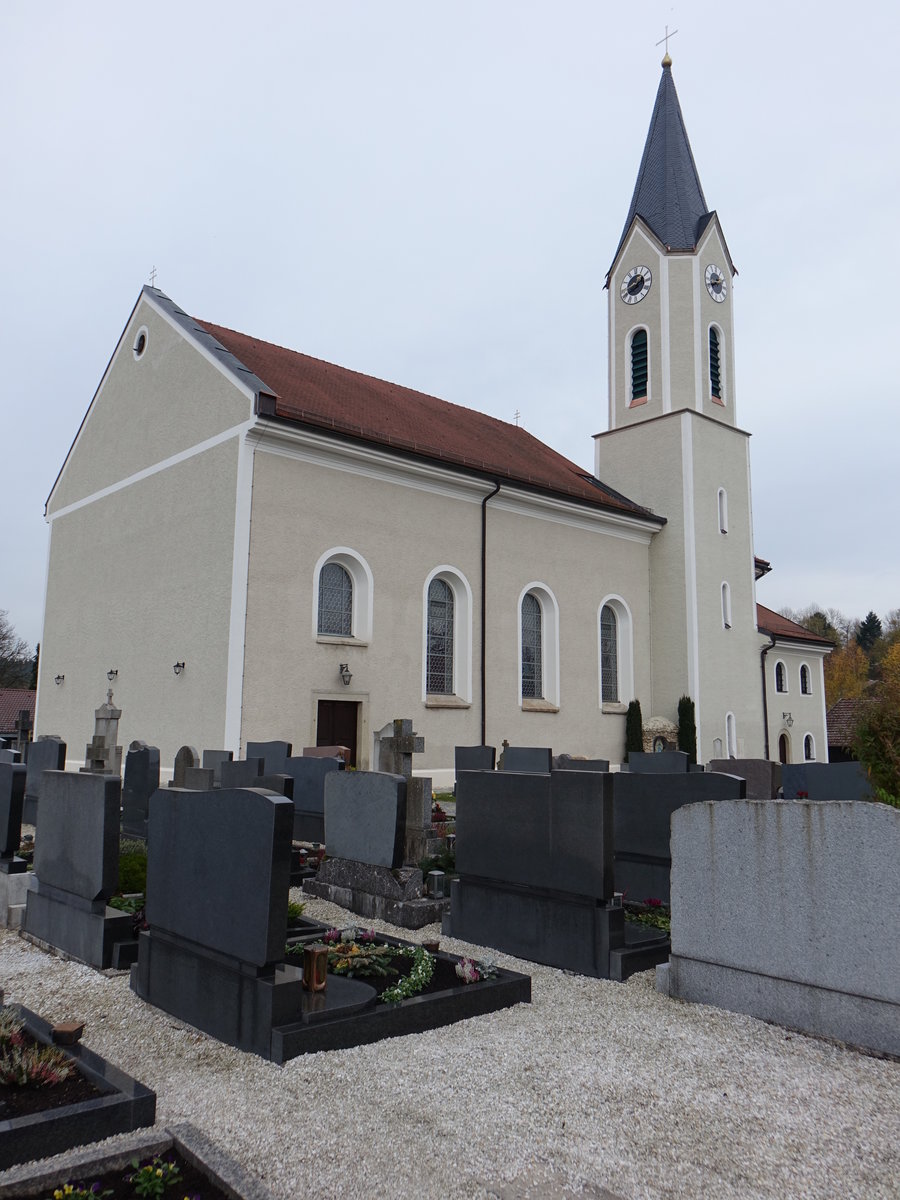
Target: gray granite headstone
[[242, 773], [46, 754], [185, 757], [280, 783], [365, 817], [565, 762], [76, 846], [309, 776], [530, 759], [825, 781], [141, 781], [213, 759], [218, 870], [474, 758], [199, 779], [273, 755], [328, 752], [666, 762], [8, 755], [12, 799]]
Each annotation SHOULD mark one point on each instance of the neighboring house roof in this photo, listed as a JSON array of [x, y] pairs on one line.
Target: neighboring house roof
[[761, 566], [319, 395], [841, 718], [668, 196], [12, 701], [780, 627]]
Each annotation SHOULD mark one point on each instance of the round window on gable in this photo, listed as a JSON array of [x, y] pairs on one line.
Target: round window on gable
[[140, 342]]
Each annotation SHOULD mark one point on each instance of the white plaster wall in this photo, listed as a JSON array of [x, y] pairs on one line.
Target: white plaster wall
[[639, 250], [140, 580], [712, 251], [807, 712], [301, 509], [148, 410]]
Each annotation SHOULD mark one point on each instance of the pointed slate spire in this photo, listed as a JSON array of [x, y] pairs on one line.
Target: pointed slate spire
[[668, 195]]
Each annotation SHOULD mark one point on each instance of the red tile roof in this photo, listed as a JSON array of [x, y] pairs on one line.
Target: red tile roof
[[323, 396], [841, 718], [12, 701], [780, 627]]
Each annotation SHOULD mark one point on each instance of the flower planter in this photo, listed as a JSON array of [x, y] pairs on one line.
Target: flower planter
[[125, 1105]]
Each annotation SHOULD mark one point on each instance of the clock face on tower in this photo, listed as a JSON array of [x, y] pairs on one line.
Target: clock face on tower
[[715, 283], [636, 285]]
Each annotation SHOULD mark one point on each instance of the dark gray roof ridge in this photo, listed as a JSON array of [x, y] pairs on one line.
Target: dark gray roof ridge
[[668, 196]]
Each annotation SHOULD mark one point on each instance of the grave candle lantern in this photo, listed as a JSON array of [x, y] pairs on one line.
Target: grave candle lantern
[[315, 967]]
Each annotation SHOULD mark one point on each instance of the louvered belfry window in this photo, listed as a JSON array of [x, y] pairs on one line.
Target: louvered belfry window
[[639, 365], [609, 656], [439, 667], [335, 601], [715, 374], [532, 649]]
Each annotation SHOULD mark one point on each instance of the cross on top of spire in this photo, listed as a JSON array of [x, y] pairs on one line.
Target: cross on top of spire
[[666, 62]]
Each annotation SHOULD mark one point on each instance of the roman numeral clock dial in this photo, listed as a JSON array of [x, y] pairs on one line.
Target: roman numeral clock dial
[[636, 285], [715, 283]]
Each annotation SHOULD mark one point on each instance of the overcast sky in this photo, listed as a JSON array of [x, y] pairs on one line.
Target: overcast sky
[[432, 194]]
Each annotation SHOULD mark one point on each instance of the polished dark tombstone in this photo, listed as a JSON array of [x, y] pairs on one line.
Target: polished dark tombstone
[[46, 754], [281, 784], [12, 800], [365, 817], [534, 856], [242, 773], [664, 762], [213, 759], [199, 779], [309, 775], [273, 755], [825, 781], [8, 755], [141, 781], [762, 775], [76, 868], [565, 762], [643, 807], [218, 875], [529, 759], [474, 758]]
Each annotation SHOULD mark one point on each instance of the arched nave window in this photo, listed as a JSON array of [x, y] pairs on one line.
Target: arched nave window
[[730, 736], [805, 683], [809, 748], [715, 364], [726, 606], [342, 595], [538, 645], [447, 653], [723, 510], [639, 365], [780, 677], [616, 654]]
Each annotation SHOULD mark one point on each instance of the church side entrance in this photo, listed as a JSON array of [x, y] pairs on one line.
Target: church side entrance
[[337, 724]]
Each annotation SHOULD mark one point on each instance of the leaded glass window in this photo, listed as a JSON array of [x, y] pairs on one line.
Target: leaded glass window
[[609, 656], [805, 686], [439, 667], [335, 601], [715, 374], [532, 649], [639, 365]]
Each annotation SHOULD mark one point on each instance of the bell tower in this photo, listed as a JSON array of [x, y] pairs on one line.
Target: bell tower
[[674, 443], [671, 343]]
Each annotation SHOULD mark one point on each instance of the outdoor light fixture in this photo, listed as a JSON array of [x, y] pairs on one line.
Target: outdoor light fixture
[[345, 674], [178, 668], [788, 719], [111, 674], [58, 679]]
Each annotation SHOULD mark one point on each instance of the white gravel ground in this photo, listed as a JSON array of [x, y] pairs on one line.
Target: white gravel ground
[[594, 1086]]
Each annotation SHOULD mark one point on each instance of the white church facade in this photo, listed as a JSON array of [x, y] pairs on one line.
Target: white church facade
[[256, 544]]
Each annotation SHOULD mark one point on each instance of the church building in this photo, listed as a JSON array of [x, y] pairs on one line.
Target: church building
[[247, 543]]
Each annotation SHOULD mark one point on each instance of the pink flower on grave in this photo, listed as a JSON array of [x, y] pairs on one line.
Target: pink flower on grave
[[467, 971]]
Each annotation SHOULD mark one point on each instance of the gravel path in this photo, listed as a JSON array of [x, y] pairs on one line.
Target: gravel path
[[593, 1088]]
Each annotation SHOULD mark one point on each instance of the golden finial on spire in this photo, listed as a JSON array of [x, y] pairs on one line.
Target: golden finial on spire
[[666, 62]]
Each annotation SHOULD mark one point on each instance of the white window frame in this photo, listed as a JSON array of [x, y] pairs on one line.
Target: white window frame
[[462, 636], [363, 595], [549, 648], [624, 653]]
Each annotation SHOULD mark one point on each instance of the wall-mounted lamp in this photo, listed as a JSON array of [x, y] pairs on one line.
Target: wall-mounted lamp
[[788, 719], [111, 674], [345, 674], [58, 679], [178, 668]]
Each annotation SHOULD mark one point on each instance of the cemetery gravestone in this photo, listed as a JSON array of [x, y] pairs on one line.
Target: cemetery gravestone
[[565, 762], [309, 775], [15, 879], [101, 755], [185, 757], [365, 817], [395, 758], [474, 758], [76, 865], [199, 779], [664, 762], [141, 781], [9, 756], [825, 781], [273, 755], [762, 775], [213, 759], [243, 773], [328, 752], [530, 759], [46, 754]]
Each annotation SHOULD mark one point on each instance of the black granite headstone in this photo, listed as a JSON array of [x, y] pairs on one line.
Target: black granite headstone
[[365, 817], [309, 775], [213, 759], [12, 799], [665, 762], [474, 758], [825, 781], [273, 755], [141, 781], [530, 759], [46, 754], [242, 773]]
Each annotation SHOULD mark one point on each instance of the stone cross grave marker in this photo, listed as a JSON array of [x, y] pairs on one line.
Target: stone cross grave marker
[[101, 755], [395, 756]]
